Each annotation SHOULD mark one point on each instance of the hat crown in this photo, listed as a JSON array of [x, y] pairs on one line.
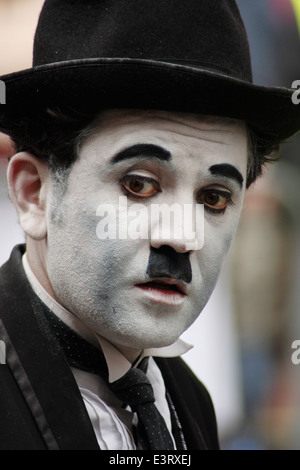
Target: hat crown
[[200, 33]]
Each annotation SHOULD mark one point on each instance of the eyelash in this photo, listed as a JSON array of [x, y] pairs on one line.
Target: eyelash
[[143, 179], [219, 193]]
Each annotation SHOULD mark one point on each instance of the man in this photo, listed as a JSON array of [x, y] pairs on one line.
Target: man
[[128, 105]]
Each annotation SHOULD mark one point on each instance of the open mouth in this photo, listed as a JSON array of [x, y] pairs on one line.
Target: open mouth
[[163, 285], [167, 291]]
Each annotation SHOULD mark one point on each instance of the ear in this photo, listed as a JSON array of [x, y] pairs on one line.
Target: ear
[[28, 183]]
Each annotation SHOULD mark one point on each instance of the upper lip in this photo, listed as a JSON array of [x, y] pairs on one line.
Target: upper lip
[[167, 282]]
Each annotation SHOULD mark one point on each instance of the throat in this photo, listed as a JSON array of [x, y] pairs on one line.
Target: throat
[[131, 354]]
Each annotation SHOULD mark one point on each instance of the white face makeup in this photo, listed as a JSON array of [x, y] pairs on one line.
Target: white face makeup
[[150, 157]]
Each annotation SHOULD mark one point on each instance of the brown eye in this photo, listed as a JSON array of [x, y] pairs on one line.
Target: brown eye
[[215, 201], [139, 186], [136, 185]]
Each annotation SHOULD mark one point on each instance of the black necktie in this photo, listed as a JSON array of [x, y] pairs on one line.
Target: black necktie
[[135, 390]]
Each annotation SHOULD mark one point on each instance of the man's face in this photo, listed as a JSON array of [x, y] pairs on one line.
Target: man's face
[[142, 292]]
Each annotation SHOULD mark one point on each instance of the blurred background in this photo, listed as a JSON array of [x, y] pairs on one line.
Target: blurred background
[[243, 338]]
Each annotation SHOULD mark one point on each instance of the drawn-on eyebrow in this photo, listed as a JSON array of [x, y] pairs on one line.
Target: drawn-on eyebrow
[[228, 171], [142, 150]]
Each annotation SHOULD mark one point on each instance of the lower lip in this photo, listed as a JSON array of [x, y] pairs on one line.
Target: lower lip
[[161, 296]]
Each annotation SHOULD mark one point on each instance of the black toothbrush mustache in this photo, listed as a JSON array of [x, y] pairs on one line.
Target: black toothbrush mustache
[[165, 262]]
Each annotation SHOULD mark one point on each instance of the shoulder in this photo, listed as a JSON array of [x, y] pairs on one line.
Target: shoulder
[[177, 369]]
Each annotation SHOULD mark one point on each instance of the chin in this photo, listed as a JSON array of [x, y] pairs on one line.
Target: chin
[[145, 340], [146, 330]]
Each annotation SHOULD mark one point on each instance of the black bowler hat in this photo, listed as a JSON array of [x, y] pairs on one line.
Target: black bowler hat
[[178, 55]]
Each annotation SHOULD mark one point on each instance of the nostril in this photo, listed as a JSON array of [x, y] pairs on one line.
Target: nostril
[[167, 250], [177, 246]]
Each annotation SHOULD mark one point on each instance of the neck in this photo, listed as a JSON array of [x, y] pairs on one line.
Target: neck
[[36, 257], [130, 354]]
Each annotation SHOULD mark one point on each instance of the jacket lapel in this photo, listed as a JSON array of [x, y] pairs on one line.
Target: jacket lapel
[[192, 404], [38, 364]]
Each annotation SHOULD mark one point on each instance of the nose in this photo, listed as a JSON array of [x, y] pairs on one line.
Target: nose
[[179, 246], [179, 226]]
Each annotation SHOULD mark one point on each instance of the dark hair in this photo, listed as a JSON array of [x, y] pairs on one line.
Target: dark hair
[[262, 150], [55, 136], [52, 135]]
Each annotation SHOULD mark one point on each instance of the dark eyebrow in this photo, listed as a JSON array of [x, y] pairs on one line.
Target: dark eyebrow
[[142, 150], [228, 171]]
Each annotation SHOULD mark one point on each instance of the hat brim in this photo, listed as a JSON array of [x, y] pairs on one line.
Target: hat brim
[[94, 84]]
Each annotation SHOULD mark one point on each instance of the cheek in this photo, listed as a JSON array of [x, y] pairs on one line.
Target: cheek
[[76, 250], [120, 261], [217, 241]]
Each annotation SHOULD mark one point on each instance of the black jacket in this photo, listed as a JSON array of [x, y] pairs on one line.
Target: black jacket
[[40, 404]]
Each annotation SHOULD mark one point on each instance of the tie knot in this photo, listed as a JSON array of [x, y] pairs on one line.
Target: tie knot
[[133, 388]]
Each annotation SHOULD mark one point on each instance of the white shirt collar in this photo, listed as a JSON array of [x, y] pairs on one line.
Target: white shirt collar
[[117, 364]]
